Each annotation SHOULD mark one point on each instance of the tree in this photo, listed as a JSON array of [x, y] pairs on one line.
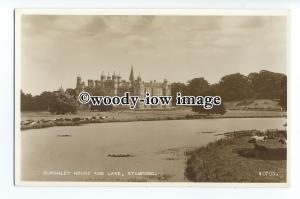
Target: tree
[[235, 87], [197, 86], [27, 103], [62, 103], [267, 85], [283, 96], [71, 91], [220, 109], [177, 87], [42, 101]]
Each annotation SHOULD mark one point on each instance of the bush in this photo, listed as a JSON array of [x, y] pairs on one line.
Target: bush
[[214, 110]]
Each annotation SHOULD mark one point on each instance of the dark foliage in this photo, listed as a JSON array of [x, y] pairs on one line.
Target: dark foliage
[[35, 103], [235, 87], [215, 110], [177, 87], [62, 103], [283, 96], [262, 85], [267, 85], [56, 102]]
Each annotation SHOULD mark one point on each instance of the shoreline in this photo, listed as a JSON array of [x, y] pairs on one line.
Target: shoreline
[[76, 121], [235, 158]]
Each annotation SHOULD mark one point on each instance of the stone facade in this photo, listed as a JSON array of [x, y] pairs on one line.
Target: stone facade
[[116, 86]]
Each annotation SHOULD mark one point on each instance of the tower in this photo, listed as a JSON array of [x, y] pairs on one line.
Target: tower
[[139, 87], [90, 83], [115, 84], [131, 80], [131, 77], [102, 80], [165, 87], [61, 90], [138, 90], [118, 80], [79, 85], [78, 81], [97, 83]]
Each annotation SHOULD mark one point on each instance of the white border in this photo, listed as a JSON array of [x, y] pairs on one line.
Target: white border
[[181, 12]]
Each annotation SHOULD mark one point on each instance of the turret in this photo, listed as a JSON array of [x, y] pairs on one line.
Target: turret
[[139, 90], [131, 77], [90, 83], [114, 77], [78, 81], [79, 85], [119, 80], [82, 85], [61, 90], [102, 79], [166, 88], [108, 77], [139, 79], [97, 83], [115, 84]]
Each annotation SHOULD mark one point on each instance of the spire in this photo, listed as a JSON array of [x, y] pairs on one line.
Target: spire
[[131, 77], [61, 89]]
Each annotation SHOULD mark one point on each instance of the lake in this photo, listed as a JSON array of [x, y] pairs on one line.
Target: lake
[[123, 151]]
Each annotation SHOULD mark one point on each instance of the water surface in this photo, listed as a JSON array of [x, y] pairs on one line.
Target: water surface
[[154, 146]]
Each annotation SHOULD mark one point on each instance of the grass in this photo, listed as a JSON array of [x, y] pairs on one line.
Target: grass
[[45, 119], [234, 159], [254, 105]]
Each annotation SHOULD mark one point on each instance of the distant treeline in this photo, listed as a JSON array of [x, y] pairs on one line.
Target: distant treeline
[[262, 85], [58, 102]]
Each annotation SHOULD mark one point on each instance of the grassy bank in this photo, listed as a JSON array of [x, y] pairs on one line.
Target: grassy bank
[[254, 105], [235, 159]]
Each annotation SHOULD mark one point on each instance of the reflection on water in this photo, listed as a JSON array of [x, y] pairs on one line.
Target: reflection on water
[[152, 146]]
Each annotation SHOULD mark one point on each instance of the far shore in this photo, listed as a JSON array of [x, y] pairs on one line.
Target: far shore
[[36, 120]]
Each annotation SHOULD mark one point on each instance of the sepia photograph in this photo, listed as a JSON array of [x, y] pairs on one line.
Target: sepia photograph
[[171, 97]]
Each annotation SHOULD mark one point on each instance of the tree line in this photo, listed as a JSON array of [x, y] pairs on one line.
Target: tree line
[[57, 102], [233, 87]]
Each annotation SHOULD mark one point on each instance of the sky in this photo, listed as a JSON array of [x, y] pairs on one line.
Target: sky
[[55, 49]]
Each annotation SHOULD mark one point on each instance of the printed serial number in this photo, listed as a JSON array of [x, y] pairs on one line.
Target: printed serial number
[[268, 173]]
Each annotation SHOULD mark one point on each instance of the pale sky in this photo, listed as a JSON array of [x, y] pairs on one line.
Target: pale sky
[[55, 49]]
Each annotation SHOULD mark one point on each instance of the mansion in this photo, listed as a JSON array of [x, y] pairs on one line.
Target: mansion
[[116, 86]]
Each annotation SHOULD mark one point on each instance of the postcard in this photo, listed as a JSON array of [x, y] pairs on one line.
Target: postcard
[[151, 97]]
